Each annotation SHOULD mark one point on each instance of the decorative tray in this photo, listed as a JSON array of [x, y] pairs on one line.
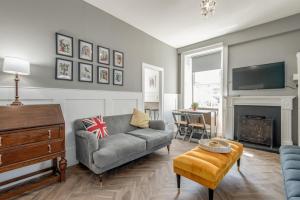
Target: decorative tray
[[215, 145]]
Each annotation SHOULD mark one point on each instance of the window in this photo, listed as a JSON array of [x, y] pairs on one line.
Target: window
[[207, 88]]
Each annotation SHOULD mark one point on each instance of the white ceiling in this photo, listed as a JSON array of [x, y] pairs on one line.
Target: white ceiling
[[179, 22]]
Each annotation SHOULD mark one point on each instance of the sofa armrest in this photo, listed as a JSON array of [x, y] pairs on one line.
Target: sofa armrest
[[86, 145], [157, 124], [92, 140]]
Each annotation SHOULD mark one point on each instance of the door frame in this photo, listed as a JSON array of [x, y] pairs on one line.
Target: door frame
[[186, 62], [161, 86]]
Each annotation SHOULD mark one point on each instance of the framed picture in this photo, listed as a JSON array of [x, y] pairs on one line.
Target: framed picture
[[103, 75], [151, 81], [118, 58], [103, 55], [118, 77], [85, 72], [64, 69], [64, 45], [85, 50]]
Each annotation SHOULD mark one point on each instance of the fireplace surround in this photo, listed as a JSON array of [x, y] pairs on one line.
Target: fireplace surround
[[284, 102]]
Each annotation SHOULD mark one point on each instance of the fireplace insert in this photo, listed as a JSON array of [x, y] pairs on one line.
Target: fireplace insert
[[255, 129]]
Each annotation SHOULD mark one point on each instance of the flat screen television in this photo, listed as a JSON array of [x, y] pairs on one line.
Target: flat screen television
[[266, 76]]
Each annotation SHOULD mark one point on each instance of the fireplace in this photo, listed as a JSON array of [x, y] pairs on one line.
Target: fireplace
[[255, 129], [282, 107], [258, 126]]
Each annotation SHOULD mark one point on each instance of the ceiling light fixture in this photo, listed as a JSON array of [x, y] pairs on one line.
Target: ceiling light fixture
[[207, 7]]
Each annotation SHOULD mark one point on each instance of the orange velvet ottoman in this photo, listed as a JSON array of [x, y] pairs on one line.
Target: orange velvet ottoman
[[207, 168]]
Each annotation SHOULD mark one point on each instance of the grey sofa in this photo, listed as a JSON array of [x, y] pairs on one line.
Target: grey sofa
[[290, 163], [124, 143]]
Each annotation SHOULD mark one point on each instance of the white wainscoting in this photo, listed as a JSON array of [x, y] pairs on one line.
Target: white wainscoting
[[170, 104], [78, 104], [75, 104]]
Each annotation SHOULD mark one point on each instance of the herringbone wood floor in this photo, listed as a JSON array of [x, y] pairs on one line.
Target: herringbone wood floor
[[152, 178]]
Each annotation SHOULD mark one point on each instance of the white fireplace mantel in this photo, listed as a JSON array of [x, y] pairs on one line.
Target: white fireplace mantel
[[285, 103]]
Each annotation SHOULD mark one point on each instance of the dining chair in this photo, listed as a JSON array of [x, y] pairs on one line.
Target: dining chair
[[181, 123], [197, 124], [207, 121]]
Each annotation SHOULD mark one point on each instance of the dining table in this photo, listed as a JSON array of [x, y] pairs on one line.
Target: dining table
[[212, 111]]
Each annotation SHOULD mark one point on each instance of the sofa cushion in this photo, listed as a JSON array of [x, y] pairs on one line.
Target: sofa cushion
[[96, 125], [153, 137], [117, 147], [292, 188], [291, 164], [288, 149], [292, 174], [139, 119], [288, 157], [115, 124], [118, 124]]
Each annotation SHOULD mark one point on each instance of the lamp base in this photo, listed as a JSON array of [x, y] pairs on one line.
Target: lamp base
[[16, 103]]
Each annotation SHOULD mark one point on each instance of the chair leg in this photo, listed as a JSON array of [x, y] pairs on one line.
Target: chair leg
[[202, 135], [168, 147], [206, 134], [186, 132], [238, 163], [178, 181], [178, 131], [210, 194], [192, 133]]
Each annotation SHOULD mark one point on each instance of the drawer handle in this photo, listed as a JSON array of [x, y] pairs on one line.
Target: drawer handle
[[0, 141], [0, 159], [49, 148], [49, 134]]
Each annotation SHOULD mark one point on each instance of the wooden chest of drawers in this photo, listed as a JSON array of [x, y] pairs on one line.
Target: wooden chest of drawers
[[29, 135]]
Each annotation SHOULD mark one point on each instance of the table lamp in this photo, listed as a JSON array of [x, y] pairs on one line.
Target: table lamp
[[18, 67]]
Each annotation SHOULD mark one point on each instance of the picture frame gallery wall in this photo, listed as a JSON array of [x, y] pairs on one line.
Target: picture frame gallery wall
[[65, 59]]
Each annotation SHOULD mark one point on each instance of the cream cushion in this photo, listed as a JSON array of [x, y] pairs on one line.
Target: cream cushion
[[139, 119]]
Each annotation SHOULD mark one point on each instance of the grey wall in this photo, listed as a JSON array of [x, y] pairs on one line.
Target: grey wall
[[28, 31], [206, 62], [273, 49], [267, 43]]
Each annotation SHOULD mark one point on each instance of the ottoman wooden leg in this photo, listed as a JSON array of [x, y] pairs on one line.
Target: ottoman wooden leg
[[178, 181], [210, 194], [239, 164]]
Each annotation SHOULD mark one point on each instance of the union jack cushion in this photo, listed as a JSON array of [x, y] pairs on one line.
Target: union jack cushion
[[96, 126]]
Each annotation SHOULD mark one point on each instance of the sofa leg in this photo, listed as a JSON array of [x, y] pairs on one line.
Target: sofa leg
[[101, 180], [178, 181], [239, 164], [168, 147], [210, 194]]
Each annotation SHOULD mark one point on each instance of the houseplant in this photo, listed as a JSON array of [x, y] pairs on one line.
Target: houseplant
[[195, 105]]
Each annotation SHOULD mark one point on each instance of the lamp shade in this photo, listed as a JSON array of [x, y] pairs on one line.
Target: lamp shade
[[16, 66]]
